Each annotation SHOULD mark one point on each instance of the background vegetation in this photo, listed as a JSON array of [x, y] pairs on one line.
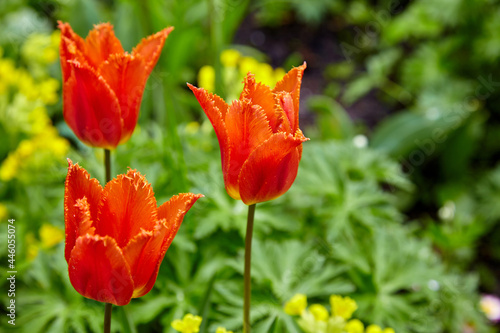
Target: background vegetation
[[396, 201]]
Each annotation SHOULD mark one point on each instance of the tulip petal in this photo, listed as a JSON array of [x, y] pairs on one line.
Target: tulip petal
[[143, 254], [248, 128], [100, 43], [91, 108], [78, 185], [85, 221], [271, 169], [71, 47], [128, 206], [291, 83], [150, 48], [126, 76], [173, 210], [171, 214], [98, 270], [260, 94], [286, 112], [216, 109]]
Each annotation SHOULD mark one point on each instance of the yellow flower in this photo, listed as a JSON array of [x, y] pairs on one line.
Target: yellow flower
[[222, 330], [3, 212], [189, 324], [278, 75], [373, 329], [38, 120], [229, 58], [206, 78], [319, 312], [32, 246], [9, 167], [192, 127], [50, 235], [354, 326], [388, 330], [34, 154], [248, 64], [342, 306], [264, 73], [296, 305], [47, 91]]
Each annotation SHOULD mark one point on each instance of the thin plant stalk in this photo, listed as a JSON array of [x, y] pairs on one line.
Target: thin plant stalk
[[107, 317], [108, 306], [247, 274]]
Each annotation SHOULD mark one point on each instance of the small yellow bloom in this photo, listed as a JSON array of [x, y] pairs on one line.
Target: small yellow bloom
[[222, 330], [342, 306], [192, 127], [296, 305], [265, 74], [188, 324], [319, 312], [278, 74], [47, 91], [206, 78], [354, 326], [373, 329], [3, 212], [388, 330], [9, 167], [248, 64], [229, 58], [32, 246], [50, 235]]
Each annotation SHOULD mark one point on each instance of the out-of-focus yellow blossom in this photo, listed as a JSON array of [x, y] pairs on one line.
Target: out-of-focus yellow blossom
[[342, 306], [319, 312], [388, 330], [31, 246], [235, 68], [3, 212], [188, 324], [296, 305], [206, 78], [47, 91], [8, 74], [50, 235], [373, 329], [229, 58], [38, 121], [248, 64], [41, 49], [354, 326], [193, 127], [222, 330], [34, 154]]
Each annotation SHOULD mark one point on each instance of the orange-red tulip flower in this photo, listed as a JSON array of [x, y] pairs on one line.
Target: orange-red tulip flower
[[259, 136], [116, 236], [103, 85]]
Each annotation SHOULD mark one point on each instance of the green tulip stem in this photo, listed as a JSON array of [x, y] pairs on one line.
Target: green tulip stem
[[247, 275], [109, 306], [107, 164], [107, 317]]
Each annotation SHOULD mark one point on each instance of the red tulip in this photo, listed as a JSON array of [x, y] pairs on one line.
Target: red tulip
[[259, 136], [103, 84], [116, 236]]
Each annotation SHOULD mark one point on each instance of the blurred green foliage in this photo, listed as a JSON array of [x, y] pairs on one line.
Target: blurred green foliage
[[406, 226]]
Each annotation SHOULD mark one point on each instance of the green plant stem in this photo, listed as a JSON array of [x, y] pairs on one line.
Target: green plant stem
[[107, 164], [108, 306], [107, 318], [247, 275]]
